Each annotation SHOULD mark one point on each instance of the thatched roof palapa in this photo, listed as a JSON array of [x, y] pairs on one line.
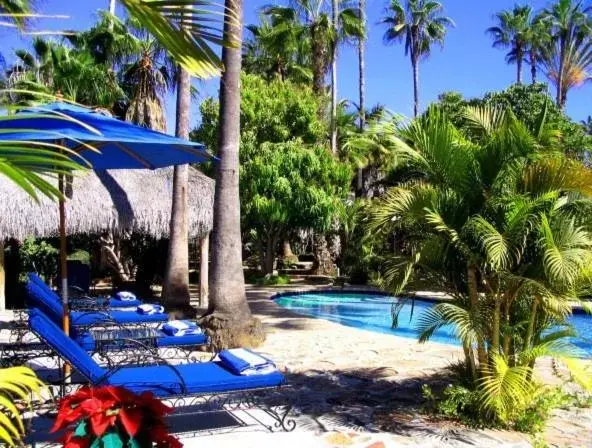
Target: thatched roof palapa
[[99, 200]]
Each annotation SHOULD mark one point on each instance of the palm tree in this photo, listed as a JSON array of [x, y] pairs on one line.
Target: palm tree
[[419, 24], [362, 83], [496, 215], [176, 278], [568, 21], [228, 309], [537, 41], [512, 31], [279, 47]]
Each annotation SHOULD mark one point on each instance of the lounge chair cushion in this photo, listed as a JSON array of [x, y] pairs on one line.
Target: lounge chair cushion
[[48, 331], [38, 297], [206, 377], [87, 342], [202, 377], [113, 302]]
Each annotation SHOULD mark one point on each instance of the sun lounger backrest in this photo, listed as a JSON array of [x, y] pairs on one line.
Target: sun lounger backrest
[[43, 286], [65, 347], [37, 297]]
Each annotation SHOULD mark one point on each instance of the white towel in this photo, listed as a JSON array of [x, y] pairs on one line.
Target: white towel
[[253, 359], [180, 328], [125, 296], [149, 308]]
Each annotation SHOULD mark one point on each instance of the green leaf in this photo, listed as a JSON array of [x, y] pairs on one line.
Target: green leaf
[[80, 430], [133, 443], [112, 440]]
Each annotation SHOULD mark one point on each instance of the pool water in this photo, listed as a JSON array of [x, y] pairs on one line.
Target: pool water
[[373, 312]]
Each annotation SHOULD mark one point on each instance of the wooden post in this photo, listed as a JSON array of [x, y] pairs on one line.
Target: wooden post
[[2, 278], [204, 258], [64, 266]]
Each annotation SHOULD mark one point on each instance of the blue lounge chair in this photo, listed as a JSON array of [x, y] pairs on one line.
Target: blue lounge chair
[[110, 302], [37, 297], [165, 381]]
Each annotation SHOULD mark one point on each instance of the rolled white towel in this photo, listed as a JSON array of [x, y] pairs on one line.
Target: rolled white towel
[[245, 362], [149, 308], [180, 328], [126, 296]]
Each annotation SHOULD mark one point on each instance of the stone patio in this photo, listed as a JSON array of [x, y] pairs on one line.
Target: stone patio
[[347, 382]]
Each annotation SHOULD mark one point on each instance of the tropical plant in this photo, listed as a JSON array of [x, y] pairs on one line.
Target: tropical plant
[[568, 67], [278, 47], [275, 113], [513, 31], [287, 186], [568, 22], [16, 384], [419, 24], [538, 39], [113, 416], [527, 102], [497, 218]]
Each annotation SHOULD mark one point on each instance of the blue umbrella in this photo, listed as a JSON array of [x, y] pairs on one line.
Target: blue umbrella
[[122, 145]]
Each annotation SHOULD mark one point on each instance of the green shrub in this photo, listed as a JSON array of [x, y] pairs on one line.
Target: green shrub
[[80, 255], [273, 280], [532, 419], [466, 405], [40, 257]]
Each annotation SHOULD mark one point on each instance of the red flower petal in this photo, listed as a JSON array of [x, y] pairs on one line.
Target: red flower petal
[[99, 423], [78, 442], [131, 419]]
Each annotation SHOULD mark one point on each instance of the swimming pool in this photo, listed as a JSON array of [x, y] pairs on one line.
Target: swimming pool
[[372, 311]]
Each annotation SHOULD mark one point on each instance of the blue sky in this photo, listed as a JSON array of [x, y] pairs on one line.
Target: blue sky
[[467, 63]]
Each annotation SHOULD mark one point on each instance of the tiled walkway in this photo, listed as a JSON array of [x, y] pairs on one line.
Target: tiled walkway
[[348, 380]]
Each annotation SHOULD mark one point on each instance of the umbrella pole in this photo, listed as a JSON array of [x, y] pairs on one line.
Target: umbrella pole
[[64, 268]]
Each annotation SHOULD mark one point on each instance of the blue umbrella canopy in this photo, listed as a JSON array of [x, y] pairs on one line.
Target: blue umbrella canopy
[[121, 145]]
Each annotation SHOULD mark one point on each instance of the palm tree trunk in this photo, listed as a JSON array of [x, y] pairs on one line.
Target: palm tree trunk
[[362, 86], [175, 289], [112, 6], [533, 68], [519, 69], [474, 304], [228, 321], [562, 50], [415, 64], [335, 6], [531, 324], [318, 55]]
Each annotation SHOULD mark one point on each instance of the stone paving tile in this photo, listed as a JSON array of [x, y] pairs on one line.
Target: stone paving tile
[[346, 375]]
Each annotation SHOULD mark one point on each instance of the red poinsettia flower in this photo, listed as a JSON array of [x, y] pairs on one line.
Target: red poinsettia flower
[[105, 407]]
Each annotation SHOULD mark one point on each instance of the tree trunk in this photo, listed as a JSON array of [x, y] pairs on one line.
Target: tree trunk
[[334, 148], [229, 322], [474, 303], [287, 249], [204, 264], [531, 324], [112, 6], [519, 67], [533, 68], [175, 289], [2, 278], [495, 344], [318, 61], [270, 255], [362, 87], [415, 64], [562, 49]]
